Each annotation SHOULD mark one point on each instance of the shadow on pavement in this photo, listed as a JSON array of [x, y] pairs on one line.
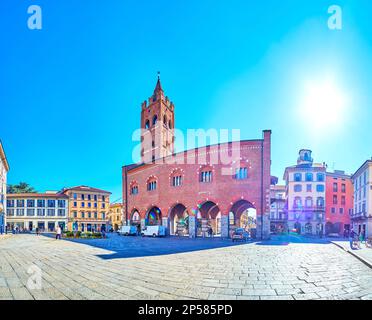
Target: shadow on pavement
[[135, 247]]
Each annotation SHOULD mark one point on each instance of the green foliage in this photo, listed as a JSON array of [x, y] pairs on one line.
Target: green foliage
[[21, 187]]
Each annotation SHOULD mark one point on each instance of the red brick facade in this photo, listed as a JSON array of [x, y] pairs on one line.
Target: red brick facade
[[210, 186], [339, 202]]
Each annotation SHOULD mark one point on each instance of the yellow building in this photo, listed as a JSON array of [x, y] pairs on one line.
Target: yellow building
[[88, 209], [116, 216]]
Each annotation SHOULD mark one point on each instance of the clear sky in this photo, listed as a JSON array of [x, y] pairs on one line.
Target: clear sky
[[70, 94]]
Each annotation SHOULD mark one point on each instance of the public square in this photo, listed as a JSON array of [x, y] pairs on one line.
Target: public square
[[290, 268]]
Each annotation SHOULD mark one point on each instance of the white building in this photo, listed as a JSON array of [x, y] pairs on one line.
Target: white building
[[44, 211], [4, 168], [278, 216], [362, 213], [306, 195]]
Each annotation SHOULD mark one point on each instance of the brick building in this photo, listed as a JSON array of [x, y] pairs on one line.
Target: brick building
[[339, 202], [220, 186]]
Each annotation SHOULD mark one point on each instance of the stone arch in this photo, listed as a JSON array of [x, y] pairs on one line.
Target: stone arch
[[153, 216], [208, 216], [135, 218], [154, 120], [165, 121], [328, 228], [308, 228], [245, 216], [179, 220]]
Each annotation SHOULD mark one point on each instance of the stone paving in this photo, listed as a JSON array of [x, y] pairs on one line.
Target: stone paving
[[135, 268]]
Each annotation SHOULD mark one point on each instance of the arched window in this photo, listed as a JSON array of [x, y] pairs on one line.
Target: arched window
[[206, 176], [297, 203], [297, 188], [151, 184], [176, 178], [309, 177], [170, 124], [134, 188], [320, 202], [177, 181], [147, 125], [165, 121], [309, 202], [154, 120], [241, 173]]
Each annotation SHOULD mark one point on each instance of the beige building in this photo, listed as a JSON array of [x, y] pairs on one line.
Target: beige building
[[362, 213], [88, 208], [115, 217], [4, 168], [45, 211]]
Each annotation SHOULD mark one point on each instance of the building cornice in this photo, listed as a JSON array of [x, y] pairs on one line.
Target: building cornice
[[3, 157]]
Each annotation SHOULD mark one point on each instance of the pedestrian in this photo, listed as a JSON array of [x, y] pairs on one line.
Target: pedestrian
[[361, 237], [59, 233], [352, 237], [210, 232], [37, 231]]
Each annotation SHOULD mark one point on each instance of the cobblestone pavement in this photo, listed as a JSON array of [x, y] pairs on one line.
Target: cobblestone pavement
[[127, 268]]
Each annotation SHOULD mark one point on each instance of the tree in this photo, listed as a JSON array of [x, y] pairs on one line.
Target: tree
[[21, 187]]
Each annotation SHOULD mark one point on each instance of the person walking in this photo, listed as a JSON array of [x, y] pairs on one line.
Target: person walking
[[210, 232], [352, 237], [37, 231], [361, 237], [59, 233]]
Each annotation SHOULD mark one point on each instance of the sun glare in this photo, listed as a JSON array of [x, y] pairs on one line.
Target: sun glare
[[324, 106]]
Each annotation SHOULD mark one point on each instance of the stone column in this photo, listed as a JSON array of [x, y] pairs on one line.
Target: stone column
[[263, 227], [225, 226], [192, 226], [165, 223], [204, 227]]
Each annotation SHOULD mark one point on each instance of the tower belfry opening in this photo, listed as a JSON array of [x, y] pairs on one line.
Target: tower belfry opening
[[157, 125]]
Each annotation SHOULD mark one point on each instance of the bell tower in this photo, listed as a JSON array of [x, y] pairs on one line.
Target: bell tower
[[157, 126]]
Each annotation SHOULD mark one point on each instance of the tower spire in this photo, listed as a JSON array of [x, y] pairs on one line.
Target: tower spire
[[158, 87]]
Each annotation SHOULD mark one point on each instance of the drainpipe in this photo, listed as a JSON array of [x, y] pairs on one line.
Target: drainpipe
[[262, 186], [126, 195]]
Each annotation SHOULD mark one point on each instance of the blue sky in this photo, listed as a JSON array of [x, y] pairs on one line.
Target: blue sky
[[70, 93]]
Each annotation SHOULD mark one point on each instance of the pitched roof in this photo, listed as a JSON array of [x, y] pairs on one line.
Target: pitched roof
[[36, 195], [85, 188], [158, 87]]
